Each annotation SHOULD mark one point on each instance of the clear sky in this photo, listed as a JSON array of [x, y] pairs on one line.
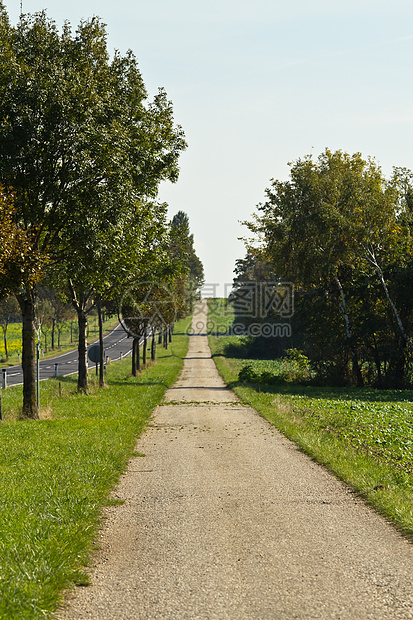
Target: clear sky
[[258, 83]]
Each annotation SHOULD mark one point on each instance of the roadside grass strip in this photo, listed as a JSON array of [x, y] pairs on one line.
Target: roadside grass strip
[[56, 474], [363, 436]]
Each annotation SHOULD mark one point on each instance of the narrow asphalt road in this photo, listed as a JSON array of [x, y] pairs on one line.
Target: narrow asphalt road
[[117, 344], [225, 518]]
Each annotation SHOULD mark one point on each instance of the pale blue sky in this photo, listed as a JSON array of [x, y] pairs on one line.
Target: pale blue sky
[[256, 84]]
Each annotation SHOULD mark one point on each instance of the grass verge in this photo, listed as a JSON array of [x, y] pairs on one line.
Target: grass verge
[[57, 473], [364, 437]]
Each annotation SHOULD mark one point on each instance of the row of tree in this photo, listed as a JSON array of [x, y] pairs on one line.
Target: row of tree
[[82, 154], [342, 233], [53, 318]]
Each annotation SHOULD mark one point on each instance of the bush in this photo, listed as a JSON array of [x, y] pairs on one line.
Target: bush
[[248, 375], [293, 368], [297, 366]]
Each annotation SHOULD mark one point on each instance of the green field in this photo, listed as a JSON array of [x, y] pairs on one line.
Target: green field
[[364, 436], [57, 473]]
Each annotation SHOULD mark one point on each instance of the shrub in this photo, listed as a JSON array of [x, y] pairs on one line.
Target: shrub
[[294, 367], [297, 366], [248, 375]]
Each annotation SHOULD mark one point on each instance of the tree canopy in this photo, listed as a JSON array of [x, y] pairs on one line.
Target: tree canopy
[[341, 232]]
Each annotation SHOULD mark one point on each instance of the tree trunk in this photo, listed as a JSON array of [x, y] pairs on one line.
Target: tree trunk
[[377, 362], [82, 378], [354, 357], [145, 344], [134, 344], [394, 309], [102, 353], [397, 364], [53, 332], [371, 257], [138, 355], [26, 303], [82, 305], [401, 365], [153, 345], [4, 327], [379, 375]]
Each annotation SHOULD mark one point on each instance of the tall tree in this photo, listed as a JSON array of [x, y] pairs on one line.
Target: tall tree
[[183, 252], [78, 143], [113, 260]]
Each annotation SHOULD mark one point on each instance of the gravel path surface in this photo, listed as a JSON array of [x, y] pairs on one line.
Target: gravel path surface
[[225, 518]]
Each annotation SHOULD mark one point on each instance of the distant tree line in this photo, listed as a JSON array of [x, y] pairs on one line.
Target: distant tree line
[[342, 233], [82, 154]]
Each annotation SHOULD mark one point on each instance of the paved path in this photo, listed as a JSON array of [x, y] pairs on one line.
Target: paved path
[[225, 518], [117, 345]]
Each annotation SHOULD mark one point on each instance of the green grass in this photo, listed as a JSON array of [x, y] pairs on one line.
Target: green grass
[[57, 473], [363, 436]]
